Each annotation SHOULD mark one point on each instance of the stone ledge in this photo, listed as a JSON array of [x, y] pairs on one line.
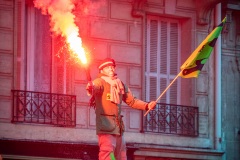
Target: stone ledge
[[176, 152]]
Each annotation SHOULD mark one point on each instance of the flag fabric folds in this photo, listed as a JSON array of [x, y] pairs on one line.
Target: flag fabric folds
[[194, 64]]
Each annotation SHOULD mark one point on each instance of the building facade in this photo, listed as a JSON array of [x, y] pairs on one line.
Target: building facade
[[44, 110]]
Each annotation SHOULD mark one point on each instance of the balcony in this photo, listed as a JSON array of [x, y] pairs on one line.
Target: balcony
[[44, 108], [60, 110], [172, 119]]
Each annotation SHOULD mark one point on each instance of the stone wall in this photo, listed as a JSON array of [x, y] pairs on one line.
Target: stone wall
[[112, 31]]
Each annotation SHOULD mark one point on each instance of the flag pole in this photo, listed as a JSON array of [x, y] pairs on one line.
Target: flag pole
[[164, 91]]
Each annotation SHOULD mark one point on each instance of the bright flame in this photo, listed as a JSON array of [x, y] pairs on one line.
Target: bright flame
[[62, 22], [75, 44]]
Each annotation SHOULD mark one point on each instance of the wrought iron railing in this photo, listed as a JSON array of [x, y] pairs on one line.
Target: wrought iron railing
[[44, 108], [172, 119]]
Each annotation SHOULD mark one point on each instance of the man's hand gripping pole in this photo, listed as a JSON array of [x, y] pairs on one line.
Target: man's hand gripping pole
[[89, 88]]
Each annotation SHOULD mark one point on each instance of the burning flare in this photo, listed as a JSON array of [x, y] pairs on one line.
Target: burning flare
[[74, 40], [62, 23]]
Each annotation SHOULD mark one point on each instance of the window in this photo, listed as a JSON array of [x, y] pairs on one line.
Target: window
[[34, 49], [37, 99], [41, 55], [162, 59]]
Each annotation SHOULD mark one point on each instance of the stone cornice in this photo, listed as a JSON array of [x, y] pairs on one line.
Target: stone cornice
[[137, 8], [204, 9]]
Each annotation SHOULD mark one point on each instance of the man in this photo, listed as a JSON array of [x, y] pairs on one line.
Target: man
[[109, 92]]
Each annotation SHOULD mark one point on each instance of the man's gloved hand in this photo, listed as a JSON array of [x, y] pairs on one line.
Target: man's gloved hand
[[151, 105]]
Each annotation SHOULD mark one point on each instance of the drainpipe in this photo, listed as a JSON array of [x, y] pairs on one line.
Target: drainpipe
[[218, 98]]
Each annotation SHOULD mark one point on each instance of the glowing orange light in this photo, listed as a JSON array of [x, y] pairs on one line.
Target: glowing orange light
[[63, 23], [75, 44]]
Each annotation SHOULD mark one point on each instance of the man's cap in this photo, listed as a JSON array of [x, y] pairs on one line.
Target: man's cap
[[106, 62]]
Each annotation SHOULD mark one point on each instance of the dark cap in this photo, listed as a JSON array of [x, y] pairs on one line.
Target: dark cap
[[106, 62]]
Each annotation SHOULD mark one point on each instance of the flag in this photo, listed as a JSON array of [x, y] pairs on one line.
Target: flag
[[194, 64]]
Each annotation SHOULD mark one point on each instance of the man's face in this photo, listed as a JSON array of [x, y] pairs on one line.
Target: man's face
[[108, 71]]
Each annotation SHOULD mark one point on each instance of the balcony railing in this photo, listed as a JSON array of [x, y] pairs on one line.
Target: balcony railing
[[44, 108], [172, 119]]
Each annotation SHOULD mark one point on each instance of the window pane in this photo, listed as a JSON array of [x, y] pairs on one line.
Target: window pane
[[153, 45], [163, 85], [174, 48], [153, 89], [163, 53], [42, 53]]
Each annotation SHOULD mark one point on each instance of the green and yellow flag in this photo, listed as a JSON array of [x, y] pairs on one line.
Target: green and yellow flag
[[194, 64]]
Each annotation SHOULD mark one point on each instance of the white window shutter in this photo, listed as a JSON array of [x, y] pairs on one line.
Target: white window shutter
[[162, 59], [163, 65], [153, 45], [174, 69]]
